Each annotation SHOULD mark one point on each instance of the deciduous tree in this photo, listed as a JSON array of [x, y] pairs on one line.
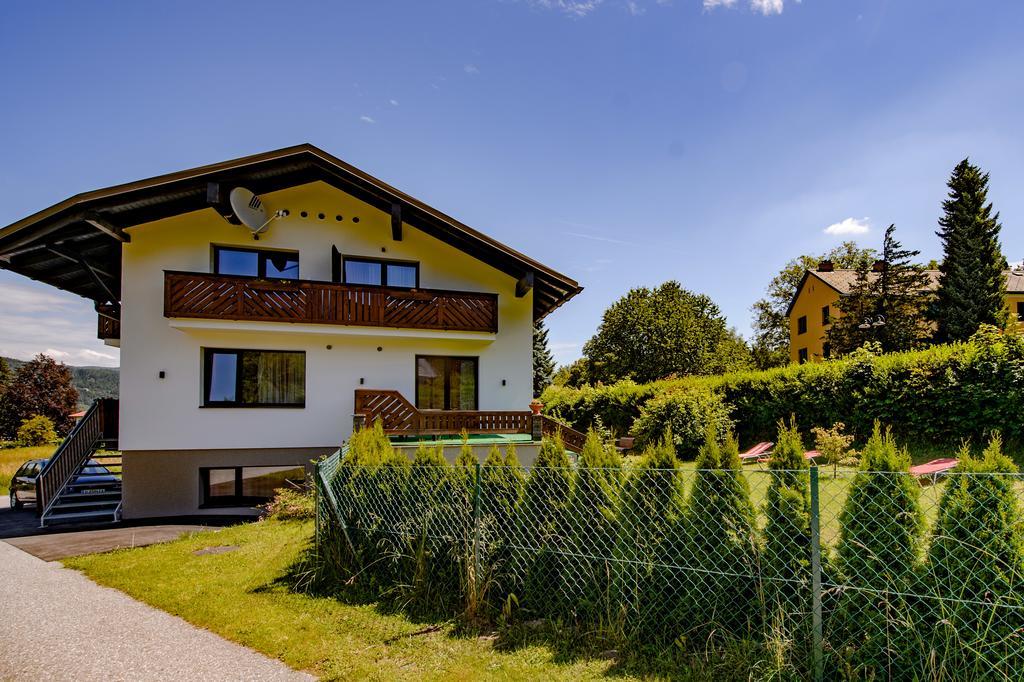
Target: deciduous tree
[[41, 386], [649, 334]]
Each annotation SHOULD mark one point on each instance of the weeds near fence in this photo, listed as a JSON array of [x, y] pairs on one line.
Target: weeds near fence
[[753, 572]]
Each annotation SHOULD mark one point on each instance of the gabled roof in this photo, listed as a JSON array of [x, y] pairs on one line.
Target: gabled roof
[[843, 280], [75, 245]]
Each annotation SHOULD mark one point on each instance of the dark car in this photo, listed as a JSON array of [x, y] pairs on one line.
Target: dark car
[[94, 479]]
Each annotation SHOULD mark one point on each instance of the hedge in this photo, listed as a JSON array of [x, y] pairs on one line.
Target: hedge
[[938, 396]]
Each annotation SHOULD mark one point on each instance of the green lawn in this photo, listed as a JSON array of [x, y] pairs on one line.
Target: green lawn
[[238, 596], [12, 458]]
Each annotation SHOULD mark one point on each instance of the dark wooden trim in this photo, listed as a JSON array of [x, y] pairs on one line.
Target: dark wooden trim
[[107, 228], [524, 285], [396, 221]]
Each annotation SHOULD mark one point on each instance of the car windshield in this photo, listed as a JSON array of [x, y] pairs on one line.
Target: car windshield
[[95, 470]]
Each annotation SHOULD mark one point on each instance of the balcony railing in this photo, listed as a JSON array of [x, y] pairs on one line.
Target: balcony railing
[[225, 297], [108, 322]]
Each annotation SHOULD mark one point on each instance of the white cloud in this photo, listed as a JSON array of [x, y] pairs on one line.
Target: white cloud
[[766, 7], [634, 8], [393, 102], [849, 226], [576, 8], [471, 69], [20, 299], [366, 119]]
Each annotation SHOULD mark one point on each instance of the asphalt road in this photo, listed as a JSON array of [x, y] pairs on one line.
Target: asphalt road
[[59, 625]]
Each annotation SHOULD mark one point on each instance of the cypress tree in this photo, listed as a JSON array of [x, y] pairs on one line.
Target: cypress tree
[[787, 529], [972, 285], [502, 480], [976, 568], [880, 540], [592, 515], [720, 542], [543, 529], [652, 508], [543, 360]]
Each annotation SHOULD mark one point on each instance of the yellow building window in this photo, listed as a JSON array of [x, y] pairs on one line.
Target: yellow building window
[[802, 355], [825, 315], [801, 325]]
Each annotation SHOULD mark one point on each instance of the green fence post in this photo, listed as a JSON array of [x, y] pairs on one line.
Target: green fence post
[[816, 645], [476, 532]]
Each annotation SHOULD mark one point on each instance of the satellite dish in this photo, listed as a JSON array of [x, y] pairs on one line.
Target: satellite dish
[[248, 208]]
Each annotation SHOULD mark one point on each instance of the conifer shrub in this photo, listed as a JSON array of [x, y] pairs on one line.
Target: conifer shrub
[[881, 533], [502, 480], [543, 530], [976, 567], [652, 507], [719, 547], [594, 524], [786, 564], [687, 414]]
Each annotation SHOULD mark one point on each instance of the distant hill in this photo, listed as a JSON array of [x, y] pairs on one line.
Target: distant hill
[[91, 382]]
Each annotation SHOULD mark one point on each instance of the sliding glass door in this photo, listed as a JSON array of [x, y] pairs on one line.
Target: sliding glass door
[[446, 383]]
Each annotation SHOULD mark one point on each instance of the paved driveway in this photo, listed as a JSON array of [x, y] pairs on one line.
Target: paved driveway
[[59, 625]]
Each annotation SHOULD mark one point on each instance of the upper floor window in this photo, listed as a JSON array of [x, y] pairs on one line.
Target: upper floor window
[[231, 260], [381, 273], [801, 324], [253, 378], [1020, 311], [826, 315]]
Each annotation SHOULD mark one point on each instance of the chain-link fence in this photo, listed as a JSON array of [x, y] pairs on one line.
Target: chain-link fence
[[846, 575]]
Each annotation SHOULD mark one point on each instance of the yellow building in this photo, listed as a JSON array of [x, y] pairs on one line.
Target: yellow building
[[815, 306]]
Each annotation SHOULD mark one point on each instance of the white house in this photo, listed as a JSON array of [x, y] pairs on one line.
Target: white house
[[247, 348]]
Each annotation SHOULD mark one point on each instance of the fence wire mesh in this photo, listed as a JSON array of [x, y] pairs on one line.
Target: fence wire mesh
[[838, 575]]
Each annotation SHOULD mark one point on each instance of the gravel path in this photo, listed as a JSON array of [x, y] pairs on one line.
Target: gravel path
[[59, 625]]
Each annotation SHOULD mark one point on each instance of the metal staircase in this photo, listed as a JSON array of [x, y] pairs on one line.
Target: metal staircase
[[79, 484]]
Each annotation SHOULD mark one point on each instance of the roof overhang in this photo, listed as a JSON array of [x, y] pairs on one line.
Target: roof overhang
[[800, 288], [75, 245]]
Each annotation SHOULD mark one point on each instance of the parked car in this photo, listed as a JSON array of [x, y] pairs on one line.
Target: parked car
[[93, 479]]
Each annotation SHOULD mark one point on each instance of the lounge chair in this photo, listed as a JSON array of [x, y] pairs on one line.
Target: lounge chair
[[757, 453], [934, 469]]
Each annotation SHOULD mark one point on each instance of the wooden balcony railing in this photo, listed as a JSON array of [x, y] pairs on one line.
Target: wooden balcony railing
[[224, 297], [108, 322]]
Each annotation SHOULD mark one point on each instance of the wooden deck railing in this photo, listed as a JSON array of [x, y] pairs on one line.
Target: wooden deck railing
[[224, 297], [399, 417]]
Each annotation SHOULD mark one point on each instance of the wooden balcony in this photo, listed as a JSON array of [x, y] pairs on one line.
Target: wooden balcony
[[224, 297]]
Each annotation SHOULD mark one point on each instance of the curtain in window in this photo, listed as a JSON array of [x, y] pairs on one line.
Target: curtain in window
[[273, 378]]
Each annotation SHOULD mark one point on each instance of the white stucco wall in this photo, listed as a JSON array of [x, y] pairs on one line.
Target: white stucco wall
[[165, 414]]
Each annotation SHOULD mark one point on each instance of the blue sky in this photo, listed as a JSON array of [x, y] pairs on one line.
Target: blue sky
[[622, 142]]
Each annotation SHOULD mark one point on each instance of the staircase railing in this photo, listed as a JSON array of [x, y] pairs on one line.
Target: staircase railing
[[72, 453]]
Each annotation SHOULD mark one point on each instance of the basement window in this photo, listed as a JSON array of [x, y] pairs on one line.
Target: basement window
[[246, 486]]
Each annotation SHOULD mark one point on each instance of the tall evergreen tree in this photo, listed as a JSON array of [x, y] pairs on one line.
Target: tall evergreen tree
[[543, 361], [971, 289], [891, 299]]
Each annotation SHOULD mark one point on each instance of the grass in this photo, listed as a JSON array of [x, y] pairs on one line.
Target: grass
[[12, 458], [240, 595]]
